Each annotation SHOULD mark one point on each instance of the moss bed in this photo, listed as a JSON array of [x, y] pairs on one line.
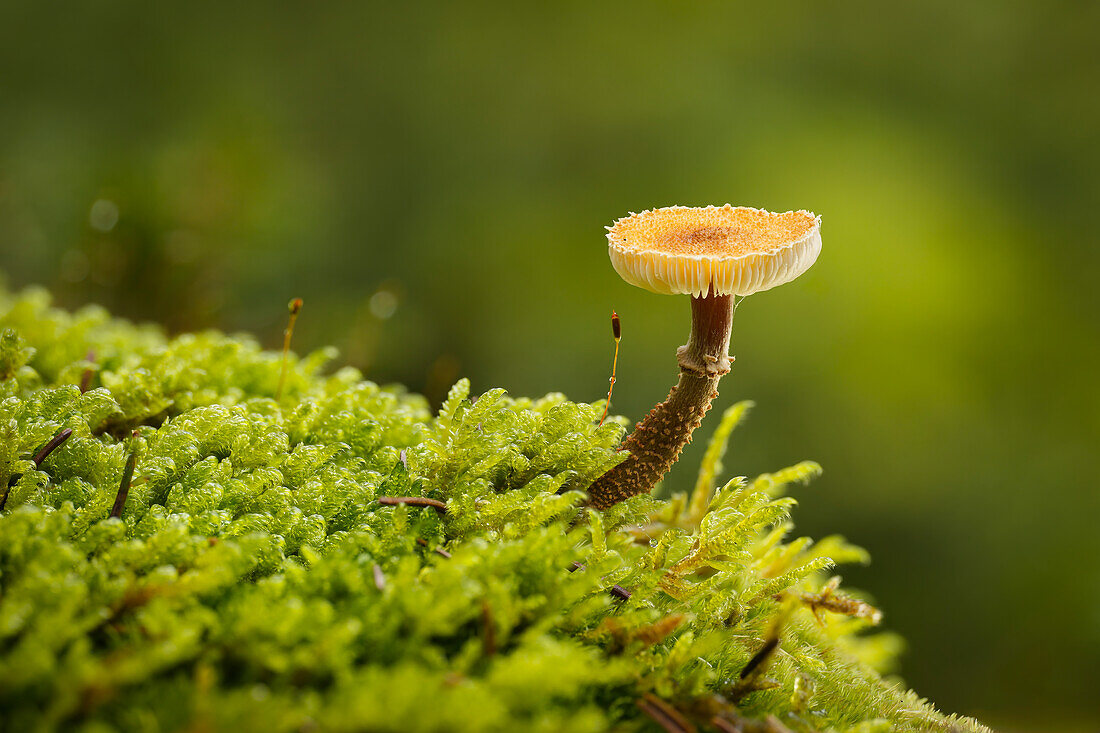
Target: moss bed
[[339, 558]]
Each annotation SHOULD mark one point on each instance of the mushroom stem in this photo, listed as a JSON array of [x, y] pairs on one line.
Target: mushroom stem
[[657, 441]]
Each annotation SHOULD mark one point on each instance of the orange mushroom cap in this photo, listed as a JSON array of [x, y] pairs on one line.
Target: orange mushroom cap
[[727, 250]]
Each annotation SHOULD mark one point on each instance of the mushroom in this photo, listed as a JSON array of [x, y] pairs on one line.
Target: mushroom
[[713, 254]]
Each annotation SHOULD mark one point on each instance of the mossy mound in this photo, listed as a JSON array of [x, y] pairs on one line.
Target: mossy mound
[[265, 575]]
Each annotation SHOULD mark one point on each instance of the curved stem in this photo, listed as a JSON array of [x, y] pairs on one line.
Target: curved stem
[[657, 441]]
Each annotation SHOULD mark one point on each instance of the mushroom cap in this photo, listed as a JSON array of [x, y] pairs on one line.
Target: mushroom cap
[[730, 250]]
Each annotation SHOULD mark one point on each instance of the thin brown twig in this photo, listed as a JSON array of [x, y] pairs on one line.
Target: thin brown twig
[[724, 725], [127, 478], [39, 457], [50, 447], [664, 714], [437, 550], [413, 501], [620, 592], [761, 656], [752, 676]]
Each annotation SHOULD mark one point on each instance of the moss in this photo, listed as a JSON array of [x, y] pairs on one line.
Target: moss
[[254, 581]]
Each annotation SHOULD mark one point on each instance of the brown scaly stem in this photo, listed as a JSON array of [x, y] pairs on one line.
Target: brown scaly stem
[[657, 441]]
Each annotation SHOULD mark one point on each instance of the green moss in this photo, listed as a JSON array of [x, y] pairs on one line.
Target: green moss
[[255, 582]]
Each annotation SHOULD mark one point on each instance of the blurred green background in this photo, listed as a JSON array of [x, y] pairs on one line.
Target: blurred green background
[[433, 179]]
